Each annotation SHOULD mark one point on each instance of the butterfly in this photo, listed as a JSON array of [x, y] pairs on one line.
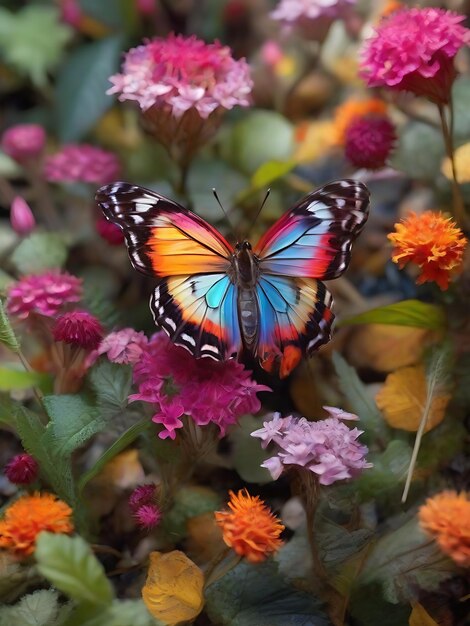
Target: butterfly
[[218, 300]]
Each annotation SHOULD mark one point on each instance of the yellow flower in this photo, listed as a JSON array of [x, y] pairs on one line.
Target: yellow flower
[[446, 517], [249, 528], [350, 111], [431, 241], [30, 515], [462, 164]]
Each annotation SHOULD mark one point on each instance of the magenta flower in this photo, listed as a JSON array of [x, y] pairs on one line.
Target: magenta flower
[[143, 494], [82, 163], [328, 448], [78, 328], [24, 142], [414, 50], [148, 516], [205, 390], [21, 217], [46, 294], [312, 17], [22, 469], [109, 231], [369, 141], [179, 74], [123, 346]]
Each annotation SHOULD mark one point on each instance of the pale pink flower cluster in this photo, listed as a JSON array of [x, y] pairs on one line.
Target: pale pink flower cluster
[[327, 448], [123, 346], [207, 391], [47, 294], [82, 163], [24, 142], [291, 12], [181, 73]]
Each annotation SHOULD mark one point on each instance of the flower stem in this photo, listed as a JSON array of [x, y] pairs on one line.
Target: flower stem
[[211, 574], [447, 132]]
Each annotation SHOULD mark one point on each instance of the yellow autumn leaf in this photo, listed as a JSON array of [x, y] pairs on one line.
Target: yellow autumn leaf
[[315, 140], [402, 400], [420, 617], [173, 591], [462, 164]]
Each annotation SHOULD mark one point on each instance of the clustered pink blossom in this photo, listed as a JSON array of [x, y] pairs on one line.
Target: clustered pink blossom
[[123, 346], [24, 141], [22, 469], [293, 12], [328, 447], [78, 328], [180, 73], [369, 141], [21, 217], [82, 163], [46, 294], [208, 391], [142, 504], [413, 50]]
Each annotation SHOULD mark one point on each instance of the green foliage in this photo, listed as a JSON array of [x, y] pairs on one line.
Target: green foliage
[[405, 313], [111, 383], [388, 471], [256, 595], [40, 608], [40, 252], [189, 502], [12, 378], [419, 152], [270, 172], [82, 84], [119, 613], [369, 608], [247, 453], [33, 40], [69, 564], [7, 335], [460, 97]]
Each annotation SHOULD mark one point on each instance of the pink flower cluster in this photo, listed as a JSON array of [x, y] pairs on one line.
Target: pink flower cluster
[[78, 328], [82, 163], [24, 142], [123, 346], [22, 469], [181, 73], [46, 294], [413, 50], [208, 391], [328, 447], [369, 141], [142, 504], [293, 11]]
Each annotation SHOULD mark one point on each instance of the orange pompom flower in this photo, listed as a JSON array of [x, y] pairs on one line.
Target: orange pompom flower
[[446, 516], [431, 241], [352, 110], [250, 528], [30, 515]]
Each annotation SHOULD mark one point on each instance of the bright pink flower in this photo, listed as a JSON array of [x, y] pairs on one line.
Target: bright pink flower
[[327, 447], [271, 53], [109, 231], [143, 494], [180, 73], [47, 294], [22, 469], [207, 391], [21, 217], [369, 141], [82, 163], [414, 50], [123, 346], [24, 141], [71, 12], [148, 516], [146, 7], [78, 328]]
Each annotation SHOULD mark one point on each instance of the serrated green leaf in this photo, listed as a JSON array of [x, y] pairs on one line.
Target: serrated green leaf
[[40, 608], [69, 564], [118, 446], [271, 171], [387, 474], [73, 422], [11, 379], [256, 595], [406, 313], [112, 384], [82, 84], [247, 453], [7, 336], [360, 401], [40, 252]]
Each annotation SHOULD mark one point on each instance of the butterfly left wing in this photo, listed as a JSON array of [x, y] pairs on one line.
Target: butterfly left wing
[[194, 301]]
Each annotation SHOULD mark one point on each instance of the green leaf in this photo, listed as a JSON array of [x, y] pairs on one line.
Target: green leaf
[[7, 336], [337, 544], [40, 608], [387, 474], [112, 384], [81, 86], [419, 152], [120, 613], [405, 561], [189, 502], [369, 608], [359, 400], [442, 444], [73, 422], [460, 99], [11, 379], [39, 252], [271, 171], [118, 446], [33, 40], [406, 313], [256, 595], [69, 564], [247, 453]]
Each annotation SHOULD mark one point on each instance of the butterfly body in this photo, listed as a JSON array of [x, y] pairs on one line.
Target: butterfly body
[[217, 300]]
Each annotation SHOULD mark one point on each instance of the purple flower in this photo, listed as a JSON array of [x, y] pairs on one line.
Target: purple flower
[[82, 163], [327, 447], [312, 17], [143, 494]]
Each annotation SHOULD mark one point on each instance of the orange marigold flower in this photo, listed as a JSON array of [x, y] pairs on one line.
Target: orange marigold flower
[[250, 528], [28, 516], [431, 241], [352, 110], [446, 516]]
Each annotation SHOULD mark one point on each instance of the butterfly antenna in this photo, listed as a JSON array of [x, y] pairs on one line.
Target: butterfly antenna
[[260, 209], [223, 210]]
